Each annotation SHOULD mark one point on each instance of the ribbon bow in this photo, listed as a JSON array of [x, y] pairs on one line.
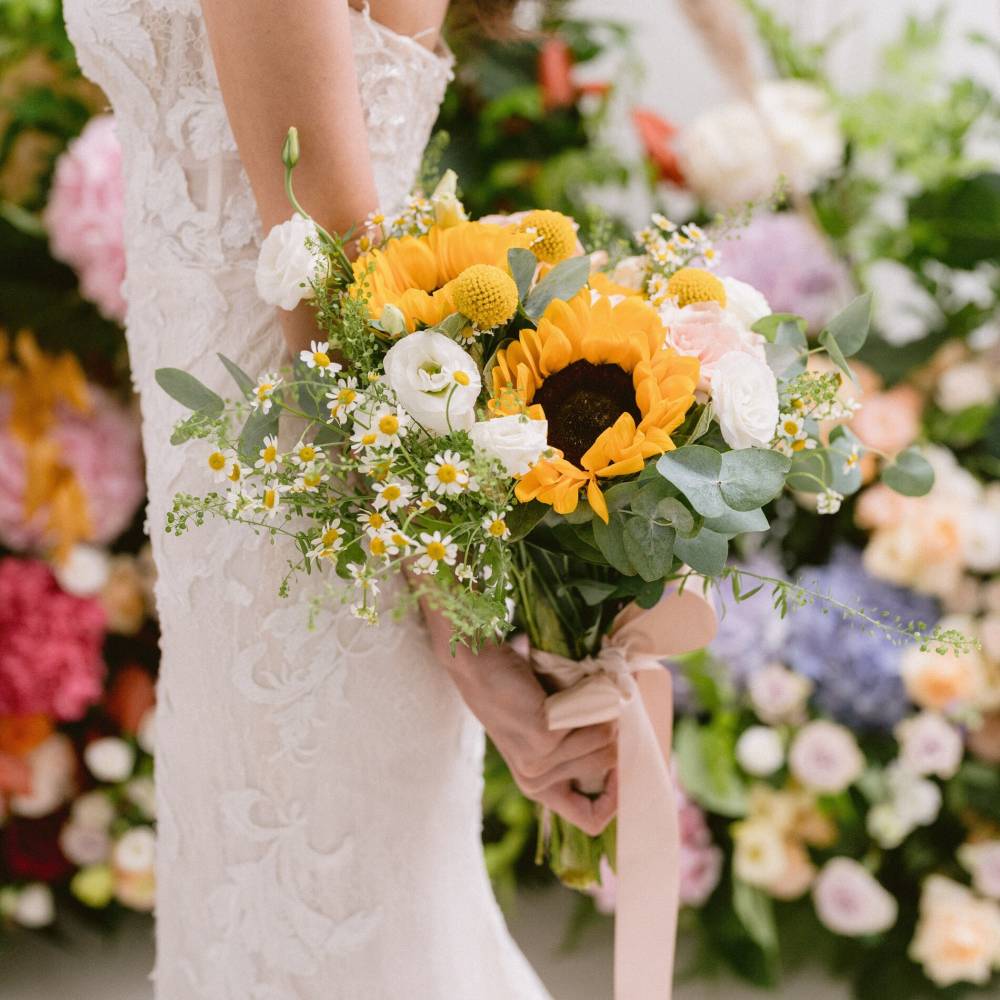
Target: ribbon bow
[[627, 681]]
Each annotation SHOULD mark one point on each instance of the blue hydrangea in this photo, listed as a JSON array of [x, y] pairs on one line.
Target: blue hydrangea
[[856, 674]]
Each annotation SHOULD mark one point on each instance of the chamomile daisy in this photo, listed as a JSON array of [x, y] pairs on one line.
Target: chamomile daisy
[[310, 480], [382, 546], [305, 454], [330, 541], [373, 521], [268, 501], [447, 473], [318, 357], [224, 466], [269, 457], [344, 399], [427, 503], [435, 550], [389, 424], [392, 495], [495, 526], [263, 392]]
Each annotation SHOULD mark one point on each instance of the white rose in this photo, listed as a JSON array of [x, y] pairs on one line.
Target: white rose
[[135, 851], [35, 906], [448, 210], [825, 757], [436, 381], [286, 266], [849, 900], [759, 751], [929, 744], [744, 400], [109, 759], [778, 695], [53, 766], [744, 303], [515, 440], [729, 158], [84, 572], [965, 385]]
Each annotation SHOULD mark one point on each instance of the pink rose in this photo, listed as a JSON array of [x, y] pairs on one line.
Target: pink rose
[[889, 421], [704, 330]]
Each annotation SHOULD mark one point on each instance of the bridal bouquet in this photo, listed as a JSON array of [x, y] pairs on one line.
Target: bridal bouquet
[[549, 443]]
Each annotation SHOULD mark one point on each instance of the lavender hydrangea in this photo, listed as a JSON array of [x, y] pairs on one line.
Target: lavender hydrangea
[[784, 257], [856, 675]]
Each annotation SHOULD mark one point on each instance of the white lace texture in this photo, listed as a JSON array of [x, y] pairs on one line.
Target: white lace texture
[[317, 791]]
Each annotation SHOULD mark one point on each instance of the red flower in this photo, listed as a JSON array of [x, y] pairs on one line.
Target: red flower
[[130, 697], [656, 134], [555, 74], [31, 848]]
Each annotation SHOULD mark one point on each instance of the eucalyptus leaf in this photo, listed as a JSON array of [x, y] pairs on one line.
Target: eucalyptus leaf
[[523, 517], [845, 451], [705, 553], [649, 547], [706, 764], [259, 425], [767, 326], [756, 912], [188, 391], [836, 356], [788, 352], [810, 471], [562, 282], [909, 473], [522, 264], [696, 471], [610, 540], [673, 511], [452, 325], [751, 477], [240, 377], [593, 592], [738, 522], [849, 328]]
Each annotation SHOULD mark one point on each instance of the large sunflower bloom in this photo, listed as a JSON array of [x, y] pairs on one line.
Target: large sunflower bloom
[[610, 390], [416, 273]]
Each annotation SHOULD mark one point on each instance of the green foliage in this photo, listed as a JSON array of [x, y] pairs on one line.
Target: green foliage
[[562, 282], [189, 392], [909, 473]]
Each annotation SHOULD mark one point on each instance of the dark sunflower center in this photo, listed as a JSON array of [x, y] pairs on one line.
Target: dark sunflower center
[[582, 401]]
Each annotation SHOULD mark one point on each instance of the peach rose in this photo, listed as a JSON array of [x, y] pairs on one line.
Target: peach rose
[[945, 681]]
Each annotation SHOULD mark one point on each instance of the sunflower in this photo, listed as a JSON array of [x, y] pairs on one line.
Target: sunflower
[[416, 273], [609, 388]]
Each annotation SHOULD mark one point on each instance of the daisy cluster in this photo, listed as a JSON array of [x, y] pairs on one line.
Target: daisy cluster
[[667, 248]]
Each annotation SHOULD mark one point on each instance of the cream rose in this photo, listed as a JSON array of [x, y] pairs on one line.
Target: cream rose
[[745, 400], [744, 303], [437, 383], [286, 266], [515, 440]]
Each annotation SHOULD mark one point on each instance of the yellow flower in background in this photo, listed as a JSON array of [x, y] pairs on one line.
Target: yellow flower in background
[[609, 388], [416, 273]]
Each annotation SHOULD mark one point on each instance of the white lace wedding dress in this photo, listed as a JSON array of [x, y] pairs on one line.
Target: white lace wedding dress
[[318, 793]]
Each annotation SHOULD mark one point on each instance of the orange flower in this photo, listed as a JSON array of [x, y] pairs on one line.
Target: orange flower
[[609, 388]]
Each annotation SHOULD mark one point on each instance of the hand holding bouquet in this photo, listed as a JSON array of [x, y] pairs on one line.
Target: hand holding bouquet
[[548, 448]]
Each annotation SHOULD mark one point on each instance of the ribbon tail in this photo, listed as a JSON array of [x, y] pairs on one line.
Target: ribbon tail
[[648, 845]]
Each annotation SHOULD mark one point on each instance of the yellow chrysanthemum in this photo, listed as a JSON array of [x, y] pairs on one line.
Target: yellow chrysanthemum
[[485, 295], [415, 273], [553, 233], [609, 388], [694, 284]]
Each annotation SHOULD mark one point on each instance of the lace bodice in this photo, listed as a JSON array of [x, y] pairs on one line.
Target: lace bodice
[[317, 789]]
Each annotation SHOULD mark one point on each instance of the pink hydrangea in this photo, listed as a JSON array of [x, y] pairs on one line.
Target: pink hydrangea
[[102, 448], [700, 861], [50, 644], [85, 212]]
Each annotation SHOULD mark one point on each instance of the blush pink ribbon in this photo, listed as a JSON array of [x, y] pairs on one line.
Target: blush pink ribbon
[[626, 681]]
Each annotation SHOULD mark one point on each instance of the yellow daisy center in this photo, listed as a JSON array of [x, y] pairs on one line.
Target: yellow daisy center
[[400, 540], [486, 295], [311, 480], [234, 473], [307, 453], [391, 492], [346, 396], [369, 438], [436, 551], [216, 461], [264, 390], [378, 546], [375, 520], [330, 537], [389, 424], [498, 528], [270, 499], [798, 445], [555, 235], [694, 284], [447, 473], [791, 426], [321, 359], [269, 454]]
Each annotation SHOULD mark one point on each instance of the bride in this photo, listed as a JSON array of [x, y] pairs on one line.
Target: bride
[[318, 791]]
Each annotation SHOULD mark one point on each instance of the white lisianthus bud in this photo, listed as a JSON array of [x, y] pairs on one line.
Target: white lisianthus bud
[[84, 572], [109, 759], [392, 320], [436, 382], [286, 266], [745, 400], [515, 440], [448, 210], [759, 751], [35, 906]]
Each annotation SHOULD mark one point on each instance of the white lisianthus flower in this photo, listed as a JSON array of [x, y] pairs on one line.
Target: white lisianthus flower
[[286, 267], [745, 400], [929, 744], [84, 572], [736, 152], [515, 441], [825, 757], [779, 695], [759, 751], [448, 210], [436, 382], [35, 906], [109, 759], [744, 303], [957, 934], [850, 901]]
